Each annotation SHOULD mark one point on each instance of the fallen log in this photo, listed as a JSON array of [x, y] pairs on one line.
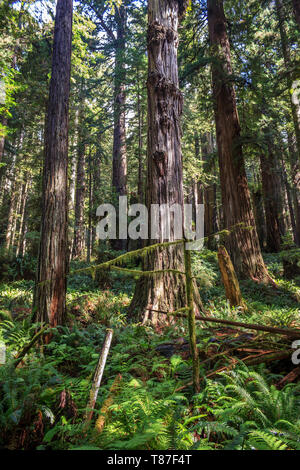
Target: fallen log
[[292, 333], [249, 360]]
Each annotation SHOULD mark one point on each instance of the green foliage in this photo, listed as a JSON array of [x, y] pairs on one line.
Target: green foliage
[[254, 413]]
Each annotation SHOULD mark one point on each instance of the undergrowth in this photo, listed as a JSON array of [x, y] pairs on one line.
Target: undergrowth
[[43, 401]]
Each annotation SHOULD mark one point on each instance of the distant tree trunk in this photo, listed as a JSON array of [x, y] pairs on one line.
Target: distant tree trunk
[[16, 215], [51, 282], [296, 8], [90, 211], [209, 197], [73, 147], [78, 243], [140, 147], [11, 214], [259, 216], [2, 137], [283, 210], [96, 194], [290, 202], [164, 175], [270, 195], [243, 241], [198, 157], [19, 251], [119, 176]]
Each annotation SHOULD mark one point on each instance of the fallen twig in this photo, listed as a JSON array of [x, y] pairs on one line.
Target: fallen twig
[[98, 376]]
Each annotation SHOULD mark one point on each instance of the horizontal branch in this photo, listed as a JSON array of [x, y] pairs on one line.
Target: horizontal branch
[[137, 272]]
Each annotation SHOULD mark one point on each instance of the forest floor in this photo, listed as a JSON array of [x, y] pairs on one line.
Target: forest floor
[[245, 401]]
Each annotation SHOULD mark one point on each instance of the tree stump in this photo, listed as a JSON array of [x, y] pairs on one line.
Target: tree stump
[[229, 278]]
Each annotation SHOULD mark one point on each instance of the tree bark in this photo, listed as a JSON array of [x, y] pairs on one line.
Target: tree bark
[[243, 241], [50, 290], [164, 160]]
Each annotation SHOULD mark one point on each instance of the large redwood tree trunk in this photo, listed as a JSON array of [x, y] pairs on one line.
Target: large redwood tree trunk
[[164, 158], [243, 241], [50, 291]]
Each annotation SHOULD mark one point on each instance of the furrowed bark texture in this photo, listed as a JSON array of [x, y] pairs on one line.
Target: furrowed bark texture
[[50, 292], [243, 243], [164, 159]]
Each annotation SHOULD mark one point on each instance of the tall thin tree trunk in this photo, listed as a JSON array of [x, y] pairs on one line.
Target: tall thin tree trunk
[[90, 210], [259, 215], [16, 215], [119, 176], [96, 194], [243, 241], [78, 243], [11, 214], [209, 197], [270, 188], [290, 202], [51, 282], [164, 172], [25, 186], [140, 146], [2, 136]]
